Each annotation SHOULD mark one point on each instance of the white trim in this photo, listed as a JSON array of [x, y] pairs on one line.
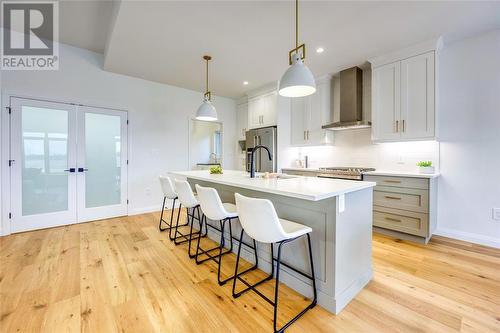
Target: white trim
[[420, 48], [151, 209], [144, 210], [469, 237]]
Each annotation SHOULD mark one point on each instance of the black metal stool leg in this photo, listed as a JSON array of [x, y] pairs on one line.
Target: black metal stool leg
[[161, 215], [200, 224], [237, 276], [186, 238], [220, 247]]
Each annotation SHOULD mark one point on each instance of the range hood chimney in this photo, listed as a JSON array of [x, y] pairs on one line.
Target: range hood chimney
[[351, 100]]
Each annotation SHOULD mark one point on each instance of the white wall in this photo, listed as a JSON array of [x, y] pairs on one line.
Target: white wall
[[159, 115], [470, 139]]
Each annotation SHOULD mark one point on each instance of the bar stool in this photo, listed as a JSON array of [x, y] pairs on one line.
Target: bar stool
[[260, 221], [190, 202], [213, 208], [168, 193]]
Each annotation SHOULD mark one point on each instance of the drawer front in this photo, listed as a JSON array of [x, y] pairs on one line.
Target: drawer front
[[402, 198], [407, 182], [407, 222]]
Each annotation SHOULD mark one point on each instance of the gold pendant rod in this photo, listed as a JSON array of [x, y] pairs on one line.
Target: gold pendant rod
[[207, 59], [296, 23]]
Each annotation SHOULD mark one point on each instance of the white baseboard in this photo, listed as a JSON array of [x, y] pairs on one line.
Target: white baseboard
[[143, 210], [469, 237], [150, 209]]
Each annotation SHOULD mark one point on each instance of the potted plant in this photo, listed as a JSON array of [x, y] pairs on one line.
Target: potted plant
[[425, 167]]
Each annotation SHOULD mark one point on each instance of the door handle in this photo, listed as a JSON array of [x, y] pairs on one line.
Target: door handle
[[70, 170], [82, 169]]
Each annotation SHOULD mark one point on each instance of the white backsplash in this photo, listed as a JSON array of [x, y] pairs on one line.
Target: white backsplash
[[355, 148]]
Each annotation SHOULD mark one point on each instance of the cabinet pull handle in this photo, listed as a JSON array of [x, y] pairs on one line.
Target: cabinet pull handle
[[393, 198], [393, 220], [397, 126], [393, 181], [304, 135], [404, 127], [307, 135]]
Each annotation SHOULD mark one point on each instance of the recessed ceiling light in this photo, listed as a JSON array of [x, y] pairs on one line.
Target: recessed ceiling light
[[320, 50], [245, 83]]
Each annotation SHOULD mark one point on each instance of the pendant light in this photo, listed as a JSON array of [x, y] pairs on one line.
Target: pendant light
[[298, 81], [206, 111]]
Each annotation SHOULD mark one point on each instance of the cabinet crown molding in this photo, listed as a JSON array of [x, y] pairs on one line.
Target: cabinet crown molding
[[431, 45], [263, 90]]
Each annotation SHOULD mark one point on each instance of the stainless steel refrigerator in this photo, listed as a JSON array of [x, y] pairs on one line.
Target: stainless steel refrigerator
[[266, 136]]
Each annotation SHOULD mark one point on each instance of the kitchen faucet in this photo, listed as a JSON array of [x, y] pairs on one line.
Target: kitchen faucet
[[252, 165]]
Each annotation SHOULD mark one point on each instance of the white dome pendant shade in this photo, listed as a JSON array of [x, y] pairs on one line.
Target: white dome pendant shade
[[298, 81], [206, 111]]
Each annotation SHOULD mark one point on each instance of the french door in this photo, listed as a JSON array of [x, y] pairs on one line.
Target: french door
[[68, 164]]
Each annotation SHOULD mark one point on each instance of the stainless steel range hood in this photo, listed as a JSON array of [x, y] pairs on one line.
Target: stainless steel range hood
[[351, 100]]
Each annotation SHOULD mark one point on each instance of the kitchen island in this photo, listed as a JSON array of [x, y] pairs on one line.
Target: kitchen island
[[338, 211]]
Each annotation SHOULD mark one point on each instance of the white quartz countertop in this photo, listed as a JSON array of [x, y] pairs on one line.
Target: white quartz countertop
[[401, 174], [307, 188]]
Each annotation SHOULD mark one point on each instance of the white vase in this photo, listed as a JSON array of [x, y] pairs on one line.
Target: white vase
[[427, 170]]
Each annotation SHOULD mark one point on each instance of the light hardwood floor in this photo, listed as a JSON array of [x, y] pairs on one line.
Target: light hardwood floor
[[124, 275]]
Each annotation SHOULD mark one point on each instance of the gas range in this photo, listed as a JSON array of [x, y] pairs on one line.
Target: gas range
[[351, 173]]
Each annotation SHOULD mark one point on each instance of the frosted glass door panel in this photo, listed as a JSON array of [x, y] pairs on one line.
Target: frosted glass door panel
[[102, 160], [44, 159], [102, 163]]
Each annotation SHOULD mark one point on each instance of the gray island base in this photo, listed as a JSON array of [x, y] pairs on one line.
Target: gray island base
[[341, 223]]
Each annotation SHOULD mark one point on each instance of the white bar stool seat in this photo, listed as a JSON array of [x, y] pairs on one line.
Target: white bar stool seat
[[168, 193], [213, 208], [260, 221], [294, 229], [190, 201]]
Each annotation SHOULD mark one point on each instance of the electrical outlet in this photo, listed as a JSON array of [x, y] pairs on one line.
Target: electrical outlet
[[148, 191], [496, 214]]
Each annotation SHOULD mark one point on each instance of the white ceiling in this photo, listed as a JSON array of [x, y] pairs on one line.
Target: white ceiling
[[164, 41]]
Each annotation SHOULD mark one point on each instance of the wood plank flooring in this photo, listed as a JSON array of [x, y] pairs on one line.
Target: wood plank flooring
[[123, 275]]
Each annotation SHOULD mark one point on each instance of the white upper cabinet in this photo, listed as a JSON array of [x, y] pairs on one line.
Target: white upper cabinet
[[242, 120], [403, 94], [262, 110], [308, 114], [386, 106], [417, 97]]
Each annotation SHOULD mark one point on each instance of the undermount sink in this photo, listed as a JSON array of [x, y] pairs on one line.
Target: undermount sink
[[279, 176]]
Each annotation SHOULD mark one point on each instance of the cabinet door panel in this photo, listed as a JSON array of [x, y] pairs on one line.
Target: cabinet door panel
[[242, 120], [298, 117], [319, 115], [269, 109], [417, 97], [386, 102], [254, 108]]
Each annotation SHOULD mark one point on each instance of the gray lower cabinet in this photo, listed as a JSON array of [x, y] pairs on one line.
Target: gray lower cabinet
[[404, 207]]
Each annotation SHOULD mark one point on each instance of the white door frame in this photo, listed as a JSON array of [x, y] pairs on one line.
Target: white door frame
[[5, 191]]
